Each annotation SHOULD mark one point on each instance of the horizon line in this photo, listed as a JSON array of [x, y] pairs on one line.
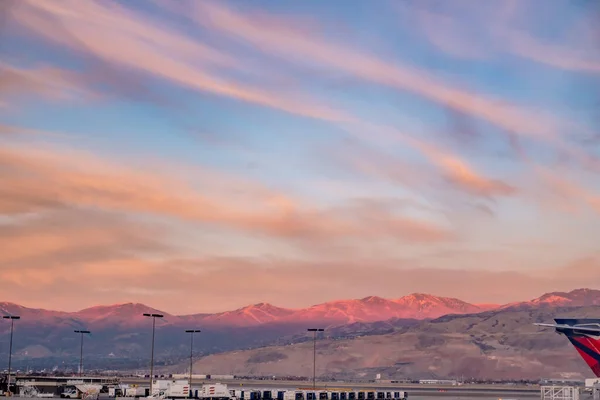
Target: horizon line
[[134, 303]]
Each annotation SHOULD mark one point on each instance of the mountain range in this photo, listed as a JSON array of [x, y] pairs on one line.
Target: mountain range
[[368, 309], [121, 335]]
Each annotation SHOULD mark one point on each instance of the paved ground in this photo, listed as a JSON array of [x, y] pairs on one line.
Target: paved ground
[[415, 391], [306, 384], [494, 392], [421, 396]]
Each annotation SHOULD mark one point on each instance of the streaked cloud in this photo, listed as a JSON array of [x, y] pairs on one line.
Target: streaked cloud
[[38, 180], [568, 193], [493, 31], [280, 147], [119, 36], [53, 84], [72, 236], [263, 32]]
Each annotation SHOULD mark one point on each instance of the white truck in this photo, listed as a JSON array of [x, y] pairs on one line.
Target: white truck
[[170, 389], [78, 389], [215, 391]]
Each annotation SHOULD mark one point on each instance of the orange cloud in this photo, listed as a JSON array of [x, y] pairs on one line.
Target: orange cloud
[[175, 57], [465, 177], [457, 171], [36, 180], [70, 217], [588, 267], [61, 240]]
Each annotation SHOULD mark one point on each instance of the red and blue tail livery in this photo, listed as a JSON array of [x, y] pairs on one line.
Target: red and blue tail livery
[[584, 334]]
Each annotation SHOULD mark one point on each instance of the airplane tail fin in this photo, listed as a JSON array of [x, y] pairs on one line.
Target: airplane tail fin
[[584, 334]]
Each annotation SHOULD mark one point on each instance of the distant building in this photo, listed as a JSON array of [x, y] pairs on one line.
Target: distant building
[[562, 381], [452, 382]]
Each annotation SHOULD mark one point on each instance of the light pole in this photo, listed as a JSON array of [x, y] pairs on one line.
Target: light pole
[[81, 350], [153, 316], [12, 326], [191, 332], [314, 331]]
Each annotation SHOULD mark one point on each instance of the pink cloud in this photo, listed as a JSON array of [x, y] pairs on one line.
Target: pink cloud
[[449, 35], [349, 245], [492, 31], [488, 32], [263, 31], [562, 57], [175, 57], [94, 243], [41, 82], [455, 171], [198, 283], [565, 192], [122, 37]]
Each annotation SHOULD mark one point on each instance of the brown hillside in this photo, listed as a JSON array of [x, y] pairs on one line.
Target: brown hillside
[[495, 344]]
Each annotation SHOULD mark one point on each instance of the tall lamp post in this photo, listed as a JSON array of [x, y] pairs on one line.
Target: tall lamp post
[[153, 316], [191, 332], [81, 333], [314, 331], [12, 326]]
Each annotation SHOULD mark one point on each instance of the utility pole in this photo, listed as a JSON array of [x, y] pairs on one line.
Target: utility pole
[[81, 333], [12, 326], [153, 316], [314, 331], [191, 332]]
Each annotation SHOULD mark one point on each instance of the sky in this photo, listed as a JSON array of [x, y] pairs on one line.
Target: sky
[[200, 156]]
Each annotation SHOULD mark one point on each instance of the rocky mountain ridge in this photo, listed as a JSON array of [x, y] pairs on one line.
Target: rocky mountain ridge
[[121, 335]]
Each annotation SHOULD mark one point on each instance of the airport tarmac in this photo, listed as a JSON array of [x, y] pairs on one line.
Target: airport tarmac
[[420, 391], [446, 395], [267, 384], [415, 391]]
